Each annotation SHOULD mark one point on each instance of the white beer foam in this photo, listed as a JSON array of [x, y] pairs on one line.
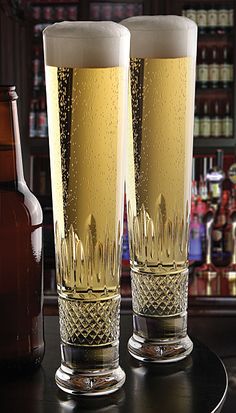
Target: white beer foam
[[162, 36], [86, 44]]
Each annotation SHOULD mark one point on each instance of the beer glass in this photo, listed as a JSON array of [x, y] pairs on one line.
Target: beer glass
[[86, 67], [162, 66]]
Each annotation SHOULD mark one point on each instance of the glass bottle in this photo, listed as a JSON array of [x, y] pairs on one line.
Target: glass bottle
[[227, 121], [202, 68], [214, 68], [223, 18], [195, 246], [216, 122], [212, 18], [201, 18], [215, 177], [190, 12], [225, 67], [220, 252], [21, 290], [205, 122]]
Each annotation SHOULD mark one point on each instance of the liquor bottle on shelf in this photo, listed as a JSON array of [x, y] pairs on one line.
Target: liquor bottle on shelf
[[194, 182], [42, 119], [195, 242], [230, 270], [201, 18], [226, 67], [32, 120], [212, 18], [223, 18], [202, 67], [227, 121], [215, 177], [207, 271], [216, 121], [196, 130], [203, 191], [220, 252], [36, 108], [36, 72], [205, 122], [190, 12], [21, 294], [72, 12], [214, 68]]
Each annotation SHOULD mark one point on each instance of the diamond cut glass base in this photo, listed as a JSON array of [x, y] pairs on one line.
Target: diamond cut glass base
[[160, 316], [90, 382], [159, 351], [89, 346]]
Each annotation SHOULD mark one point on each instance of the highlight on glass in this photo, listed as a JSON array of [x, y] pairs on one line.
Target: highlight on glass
[[87, 85]]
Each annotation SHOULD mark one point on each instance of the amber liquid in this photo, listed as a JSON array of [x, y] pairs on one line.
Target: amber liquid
[[21, 317]]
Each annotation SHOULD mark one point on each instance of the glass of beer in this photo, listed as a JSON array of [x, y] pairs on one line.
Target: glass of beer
[[158, 184], [87, 67]]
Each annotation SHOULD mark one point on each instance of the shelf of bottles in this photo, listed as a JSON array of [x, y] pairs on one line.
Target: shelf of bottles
[[212, 247], [214, 71], [114, 11], [44, 14]]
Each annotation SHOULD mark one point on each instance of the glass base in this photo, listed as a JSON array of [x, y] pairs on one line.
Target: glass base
[[161, 351], [160, 316], [91, 382]]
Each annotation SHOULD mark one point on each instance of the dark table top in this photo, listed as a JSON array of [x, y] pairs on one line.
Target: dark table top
[[197, 384]]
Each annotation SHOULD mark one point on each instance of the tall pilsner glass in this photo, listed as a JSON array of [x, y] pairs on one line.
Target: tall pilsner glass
[[163, 56], [86, 81]]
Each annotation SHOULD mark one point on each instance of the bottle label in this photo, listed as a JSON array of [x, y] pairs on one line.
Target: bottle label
[[214, 72], [215, 190], [32, 124], [202, 72], [216, 235], [191, 14], [201, 18], [212, 18], [221, 220], [216, 127], [42, 125], [223, 18], [227, 127], [225, 72], [195, 232], [196, 130], [205, 127]]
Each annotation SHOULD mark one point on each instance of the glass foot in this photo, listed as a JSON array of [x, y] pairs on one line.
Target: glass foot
[[91, 382], [159, 351]]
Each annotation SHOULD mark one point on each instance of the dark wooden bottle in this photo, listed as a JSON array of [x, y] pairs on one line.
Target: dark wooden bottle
[[21, 280]]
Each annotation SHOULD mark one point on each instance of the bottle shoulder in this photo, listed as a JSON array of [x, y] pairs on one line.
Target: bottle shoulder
[[20, 206]]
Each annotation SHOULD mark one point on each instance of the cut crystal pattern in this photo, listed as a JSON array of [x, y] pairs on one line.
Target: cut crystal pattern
[[158, 240], [159, 295], [89, 323], [87, 266]]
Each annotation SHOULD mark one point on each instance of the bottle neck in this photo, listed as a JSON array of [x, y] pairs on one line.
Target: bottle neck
[[11, 166]]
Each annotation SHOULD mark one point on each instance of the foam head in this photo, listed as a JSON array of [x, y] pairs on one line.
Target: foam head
[[162, 36], [86, 44]]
